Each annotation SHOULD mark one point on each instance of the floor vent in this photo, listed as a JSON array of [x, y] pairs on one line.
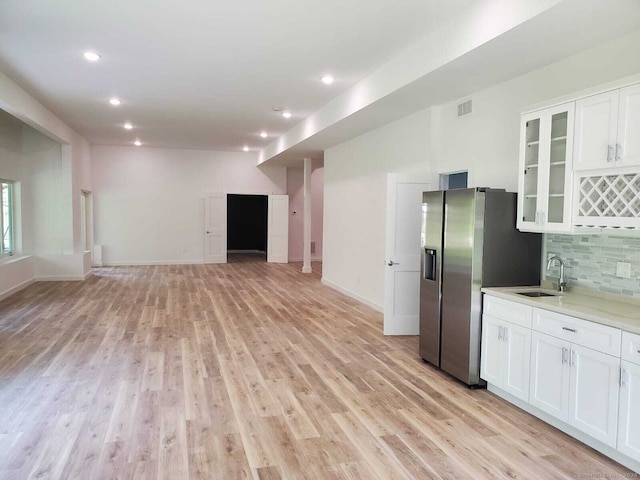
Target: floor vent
[[464, 108]]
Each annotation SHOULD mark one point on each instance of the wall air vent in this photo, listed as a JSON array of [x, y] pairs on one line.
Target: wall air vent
[[464, 108]]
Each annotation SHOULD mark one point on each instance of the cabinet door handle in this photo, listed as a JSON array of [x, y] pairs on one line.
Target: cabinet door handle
[[609, 153], [505, 333], [623, 380], [499, 333], [564, 355], [573, 357], [572, 330], [618, 151]]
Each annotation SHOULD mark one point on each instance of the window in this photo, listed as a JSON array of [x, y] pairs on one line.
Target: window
[[6, 219], [452, 181]]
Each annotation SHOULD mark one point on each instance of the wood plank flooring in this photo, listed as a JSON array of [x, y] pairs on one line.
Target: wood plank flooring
[[244, 370]]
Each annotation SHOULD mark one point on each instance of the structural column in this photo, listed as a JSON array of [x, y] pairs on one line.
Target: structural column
[[306, 249]]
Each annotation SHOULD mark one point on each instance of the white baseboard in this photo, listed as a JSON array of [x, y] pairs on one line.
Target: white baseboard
[[61, 278], [17, 288], [135, 263], [610, 452], [300, 259], [353, 295]]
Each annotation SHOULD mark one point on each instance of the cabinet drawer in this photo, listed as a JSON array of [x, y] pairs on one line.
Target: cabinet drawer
[[509, 311], [631, 347], [602, 338]]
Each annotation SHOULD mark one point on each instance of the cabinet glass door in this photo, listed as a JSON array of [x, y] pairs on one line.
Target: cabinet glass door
[[531, 170], [556, 168]]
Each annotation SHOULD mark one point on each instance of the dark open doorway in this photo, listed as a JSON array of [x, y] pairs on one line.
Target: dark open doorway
[[246, 226]]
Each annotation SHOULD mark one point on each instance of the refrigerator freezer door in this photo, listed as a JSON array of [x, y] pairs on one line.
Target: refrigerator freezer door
[[430, 276], [464, 220]]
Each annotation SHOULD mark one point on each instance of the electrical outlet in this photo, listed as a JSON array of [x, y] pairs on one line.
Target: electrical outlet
[[623, 270]]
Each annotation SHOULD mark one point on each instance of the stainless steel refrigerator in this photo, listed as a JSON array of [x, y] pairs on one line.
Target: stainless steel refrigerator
[[469, 241]]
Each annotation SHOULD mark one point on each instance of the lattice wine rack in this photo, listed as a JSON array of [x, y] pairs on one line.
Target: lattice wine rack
[[609, 201]]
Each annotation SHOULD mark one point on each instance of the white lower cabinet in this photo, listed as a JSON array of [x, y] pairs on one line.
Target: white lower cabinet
[[585, 374], [576, 385], [629, 419], [507, 361], [550, 372], [594, 393]]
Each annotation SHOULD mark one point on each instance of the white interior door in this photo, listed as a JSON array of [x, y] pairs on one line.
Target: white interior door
[[278, 229], [402, 251], [215, 228]]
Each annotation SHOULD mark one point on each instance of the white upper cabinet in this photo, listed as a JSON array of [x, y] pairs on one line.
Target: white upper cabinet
[[607, 130], [628, 153], [544, 181]]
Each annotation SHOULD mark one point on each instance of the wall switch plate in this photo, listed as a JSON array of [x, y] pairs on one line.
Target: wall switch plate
[[623, 270]]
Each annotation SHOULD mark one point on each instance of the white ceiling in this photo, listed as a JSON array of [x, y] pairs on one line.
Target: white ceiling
[[201, 74], [567, 28]]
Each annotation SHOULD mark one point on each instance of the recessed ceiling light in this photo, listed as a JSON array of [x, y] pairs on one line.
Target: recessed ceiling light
[[115, 101], [263, 134], [91, 56], [137, 143], [245, 149], [128, 126], [286, 114], [327, 79]]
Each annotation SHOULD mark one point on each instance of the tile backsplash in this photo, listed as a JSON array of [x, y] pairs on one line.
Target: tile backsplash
[[590, 261]]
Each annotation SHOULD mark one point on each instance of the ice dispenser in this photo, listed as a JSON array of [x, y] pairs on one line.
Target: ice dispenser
[[429, 267]]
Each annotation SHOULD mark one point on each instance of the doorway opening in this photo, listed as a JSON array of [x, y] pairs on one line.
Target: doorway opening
[[247, 221]]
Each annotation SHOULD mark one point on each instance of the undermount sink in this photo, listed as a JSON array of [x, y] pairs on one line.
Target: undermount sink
[[537, 293]]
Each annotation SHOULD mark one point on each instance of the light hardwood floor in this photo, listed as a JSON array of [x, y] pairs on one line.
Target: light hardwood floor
[[244, 370]]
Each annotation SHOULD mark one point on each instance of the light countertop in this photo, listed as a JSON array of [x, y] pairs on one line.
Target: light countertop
[[607, 309]]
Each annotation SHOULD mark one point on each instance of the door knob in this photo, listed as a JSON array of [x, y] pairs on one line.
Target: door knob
[[208, 231], [392, 263]]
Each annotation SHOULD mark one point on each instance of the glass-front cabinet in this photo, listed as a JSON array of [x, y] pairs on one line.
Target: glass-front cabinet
[[544, 182]]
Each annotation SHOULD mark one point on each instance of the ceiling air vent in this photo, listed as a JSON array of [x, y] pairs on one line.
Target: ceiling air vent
[[464, 108]]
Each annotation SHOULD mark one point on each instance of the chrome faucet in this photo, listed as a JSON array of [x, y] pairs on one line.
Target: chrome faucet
[[562, 281]]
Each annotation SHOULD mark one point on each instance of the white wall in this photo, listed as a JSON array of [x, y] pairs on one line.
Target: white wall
[[50, 163], [355, 180], [149, 202], [43, 208], [295, 190], [436, 140]]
